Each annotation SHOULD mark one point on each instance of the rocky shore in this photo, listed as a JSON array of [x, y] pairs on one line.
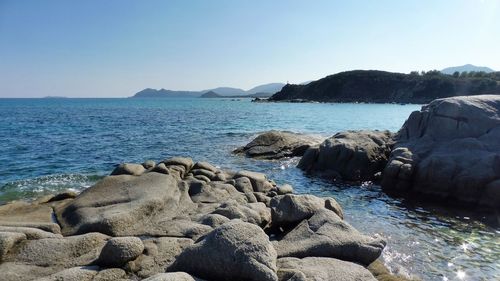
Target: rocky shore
[[180, 220], [448, 152]]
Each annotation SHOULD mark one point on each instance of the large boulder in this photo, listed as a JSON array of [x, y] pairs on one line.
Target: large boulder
[[277, 144], [234, 251], [124, 205], [450, 149], [321, 269], [118, 251], [326, 235], [350, 155]]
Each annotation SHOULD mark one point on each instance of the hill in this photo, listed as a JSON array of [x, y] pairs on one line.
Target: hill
[[265, 90], [466, 68], [211, 94], [162, 93], [381, 86]]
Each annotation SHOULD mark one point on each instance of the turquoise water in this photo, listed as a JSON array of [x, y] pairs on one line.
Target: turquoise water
[[48, 145]]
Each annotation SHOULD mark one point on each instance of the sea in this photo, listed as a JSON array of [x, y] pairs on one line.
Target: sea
[[52, 145]]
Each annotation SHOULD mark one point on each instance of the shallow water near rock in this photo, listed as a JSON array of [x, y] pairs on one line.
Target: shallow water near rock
[[50, 145]]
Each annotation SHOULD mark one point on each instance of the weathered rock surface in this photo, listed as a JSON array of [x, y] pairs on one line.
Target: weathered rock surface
[[117, 251], [191, 218], [23, 214], [291, 209], [124, 205], [326, 235], [234, 251], [129, 169], [450, 149], [172, 276], [350, 156], [73, 274], [8, 240], [277, 144], [158, 255], [321, 269], [65, 252]]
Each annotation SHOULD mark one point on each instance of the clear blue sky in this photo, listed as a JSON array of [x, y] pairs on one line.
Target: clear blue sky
[[115, 48]]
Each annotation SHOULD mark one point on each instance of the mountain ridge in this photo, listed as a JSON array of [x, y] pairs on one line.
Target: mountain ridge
[[264, 90]]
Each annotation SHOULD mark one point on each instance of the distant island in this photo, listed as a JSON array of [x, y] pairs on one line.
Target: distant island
[[375, 86], [55, 97], [466, 68], [265, 90]]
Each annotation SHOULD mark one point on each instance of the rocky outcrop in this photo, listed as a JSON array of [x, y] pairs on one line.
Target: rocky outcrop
[[449, 150], [180, 220], [277, 144], [350, 156]]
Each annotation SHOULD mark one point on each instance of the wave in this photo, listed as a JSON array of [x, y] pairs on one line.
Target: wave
[[28, 189]]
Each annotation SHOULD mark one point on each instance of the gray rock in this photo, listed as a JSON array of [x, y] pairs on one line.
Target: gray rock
[[450, 150], [243, 184], [149, 164], [220, 176], [285, 189], [321, 269], [326, 235], [110, 274], [30, 232], [232, 251], [202, 178], [8, 240], [214, 220], [183, 161], [66, 252], [259, 181], [172, 276], [205, 166], [118, 251], [23, 214], [255, 213], [291, 209], [277, 144], [159, 253], [210, 175], [86, 273], [214, 192], [261, 197], [161, 168], [125, 206], [129, 169], [352, 155], [16, 271]]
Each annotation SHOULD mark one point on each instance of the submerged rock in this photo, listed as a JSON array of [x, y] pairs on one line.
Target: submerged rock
[[450, 149], [350, 156], [277, 144]]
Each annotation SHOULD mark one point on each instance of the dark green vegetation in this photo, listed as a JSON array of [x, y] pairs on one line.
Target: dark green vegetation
[[381, 86]]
